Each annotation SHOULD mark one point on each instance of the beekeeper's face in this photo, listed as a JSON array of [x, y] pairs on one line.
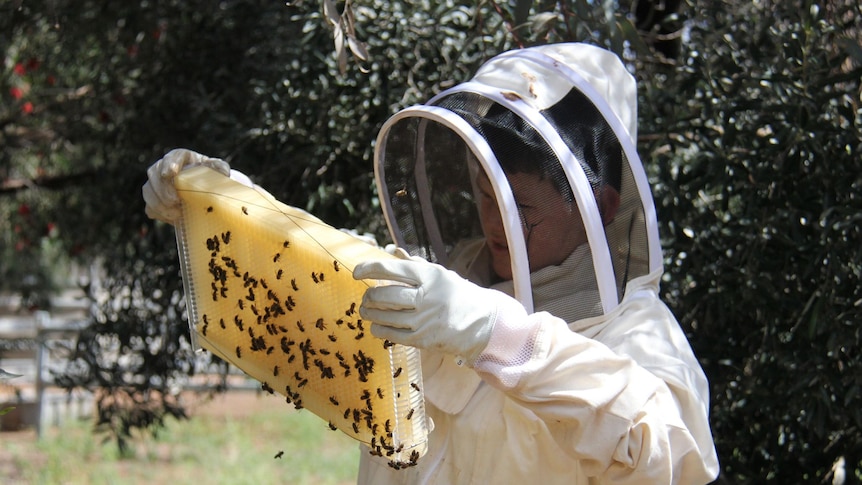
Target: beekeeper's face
[[552, 227]]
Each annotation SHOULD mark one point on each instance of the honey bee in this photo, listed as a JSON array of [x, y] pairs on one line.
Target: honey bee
[[274, 369], [397, 373], [276, 257], [335, 264], [238, 352], [279, 454], [332, 337], [245, 210], [225, 236], [314, 277], [332, 426], [333, 400], [293, 285], [321, 276], [278, 274], [401, 193], [210, 209], [320, 324], [410, 414], [415, 386], [286, 244]]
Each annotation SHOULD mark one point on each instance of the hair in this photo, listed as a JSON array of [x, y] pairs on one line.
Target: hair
[[589, 136]]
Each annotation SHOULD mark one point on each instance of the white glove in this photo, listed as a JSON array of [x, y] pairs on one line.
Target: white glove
[[434, 308], [159, 192]]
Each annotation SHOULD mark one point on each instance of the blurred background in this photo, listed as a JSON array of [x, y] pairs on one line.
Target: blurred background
[[750, 128]]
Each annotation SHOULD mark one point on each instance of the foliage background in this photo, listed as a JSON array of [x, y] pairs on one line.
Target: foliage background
[[750, 127]]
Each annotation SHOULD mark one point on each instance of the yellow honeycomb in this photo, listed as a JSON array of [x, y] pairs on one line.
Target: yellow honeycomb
[[270, 289]]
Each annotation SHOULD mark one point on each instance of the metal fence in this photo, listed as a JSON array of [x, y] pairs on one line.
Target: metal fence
[[35, 345]]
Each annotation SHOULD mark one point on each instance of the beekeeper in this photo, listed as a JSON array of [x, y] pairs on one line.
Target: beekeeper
[[547, 355]]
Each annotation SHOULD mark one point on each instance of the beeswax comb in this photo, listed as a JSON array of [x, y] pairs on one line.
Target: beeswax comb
[[269, 288]]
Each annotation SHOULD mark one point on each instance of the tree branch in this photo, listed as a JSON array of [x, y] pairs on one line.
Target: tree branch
[[54, 182]]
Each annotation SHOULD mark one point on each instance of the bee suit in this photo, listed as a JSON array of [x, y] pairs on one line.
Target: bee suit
[[567, 369]]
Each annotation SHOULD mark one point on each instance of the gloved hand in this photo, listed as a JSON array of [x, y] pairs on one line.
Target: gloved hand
[[433, 308], [159, 192]]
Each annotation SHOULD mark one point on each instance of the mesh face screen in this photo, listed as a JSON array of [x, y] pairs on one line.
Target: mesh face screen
[[434, 193], [427, 172], [589, 136], [270, 290], [549, 216]]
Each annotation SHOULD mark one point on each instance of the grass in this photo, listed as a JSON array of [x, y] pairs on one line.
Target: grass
[[234, 443]]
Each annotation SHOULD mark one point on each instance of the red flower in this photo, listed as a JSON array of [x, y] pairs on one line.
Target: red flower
[[16, 92], [27, 108], [19, 69], [24, 209]]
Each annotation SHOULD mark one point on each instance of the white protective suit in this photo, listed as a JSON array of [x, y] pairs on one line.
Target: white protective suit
[[595, 382]]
